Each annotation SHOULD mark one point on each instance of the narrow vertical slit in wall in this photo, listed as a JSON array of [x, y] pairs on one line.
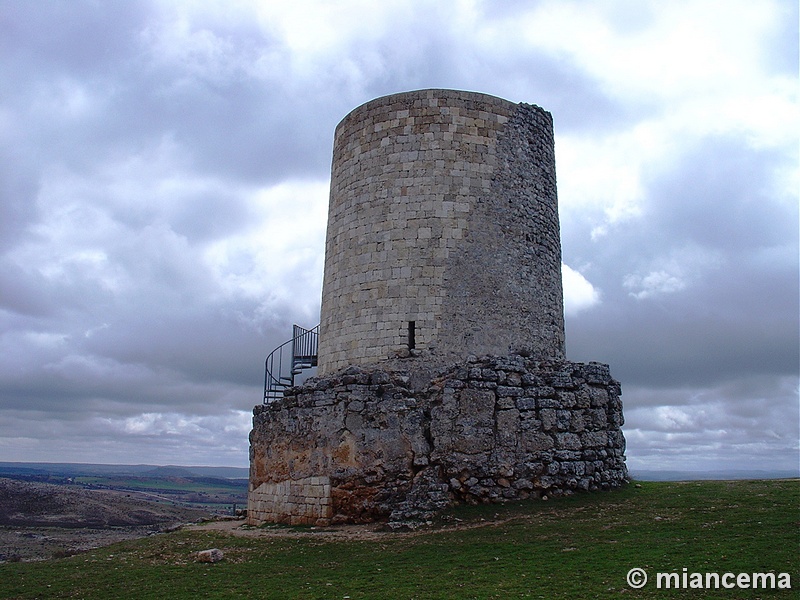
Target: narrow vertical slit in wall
[[412, 335]]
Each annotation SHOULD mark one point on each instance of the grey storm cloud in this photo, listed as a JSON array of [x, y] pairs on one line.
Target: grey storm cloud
[[93, 89], [163, 186], [721, 299]]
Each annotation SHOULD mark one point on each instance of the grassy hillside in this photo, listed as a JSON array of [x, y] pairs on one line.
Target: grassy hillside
[[578, 547]]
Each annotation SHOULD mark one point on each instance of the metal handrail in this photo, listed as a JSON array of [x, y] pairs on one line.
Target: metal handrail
[[304, 348], [297, 354]]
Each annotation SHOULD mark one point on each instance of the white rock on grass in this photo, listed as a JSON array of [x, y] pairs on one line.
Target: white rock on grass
[[209, 556]]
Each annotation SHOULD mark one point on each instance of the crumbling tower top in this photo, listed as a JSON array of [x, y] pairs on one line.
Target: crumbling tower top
[[443, 233]]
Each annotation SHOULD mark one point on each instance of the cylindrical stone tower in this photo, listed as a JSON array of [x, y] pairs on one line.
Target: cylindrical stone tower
[[443, 232]]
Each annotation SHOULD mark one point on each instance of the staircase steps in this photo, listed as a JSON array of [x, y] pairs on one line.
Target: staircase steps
[[289, 360]]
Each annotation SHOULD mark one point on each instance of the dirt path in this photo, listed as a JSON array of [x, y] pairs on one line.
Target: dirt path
[[366, 532], [372, 531]]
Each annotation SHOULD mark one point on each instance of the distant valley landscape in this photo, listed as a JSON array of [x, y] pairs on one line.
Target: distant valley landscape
[[216, 489], [51, 509]]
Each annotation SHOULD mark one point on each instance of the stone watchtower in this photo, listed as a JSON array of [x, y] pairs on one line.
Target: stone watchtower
[[443, 232], [442, 247]]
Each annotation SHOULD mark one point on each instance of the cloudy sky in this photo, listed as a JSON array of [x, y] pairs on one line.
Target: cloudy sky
[[163, 195]]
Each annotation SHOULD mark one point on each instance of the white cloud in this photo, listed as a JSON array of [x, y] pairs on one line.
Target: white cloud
[[176, 424], [149, 437], [673, 50], [698, 68], [672, 273], [603, 175], [653, 284], [280, 255], [579, 294]]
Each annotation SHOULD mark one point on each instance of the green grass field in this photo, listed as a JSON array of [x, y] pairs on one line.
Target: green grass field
[[577, 547]]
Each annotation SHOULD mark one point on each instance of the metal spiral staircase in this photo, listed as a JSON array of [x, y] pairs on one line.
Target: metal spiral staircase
[[290, 359]]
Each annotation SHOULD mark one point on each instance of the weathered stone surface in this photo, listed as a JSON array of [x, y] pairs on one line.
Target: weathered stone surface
[[443, 221], [363, 444]]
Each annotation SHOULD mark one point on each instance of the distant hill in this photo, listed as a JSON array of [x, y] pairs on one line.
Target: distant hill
[[65, 470], [730, 474], [170, 471]]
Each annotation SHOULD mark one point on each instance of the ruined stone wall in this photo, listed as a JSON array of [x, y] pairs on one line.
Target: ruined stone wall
[[442, 232], [399, 441]]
